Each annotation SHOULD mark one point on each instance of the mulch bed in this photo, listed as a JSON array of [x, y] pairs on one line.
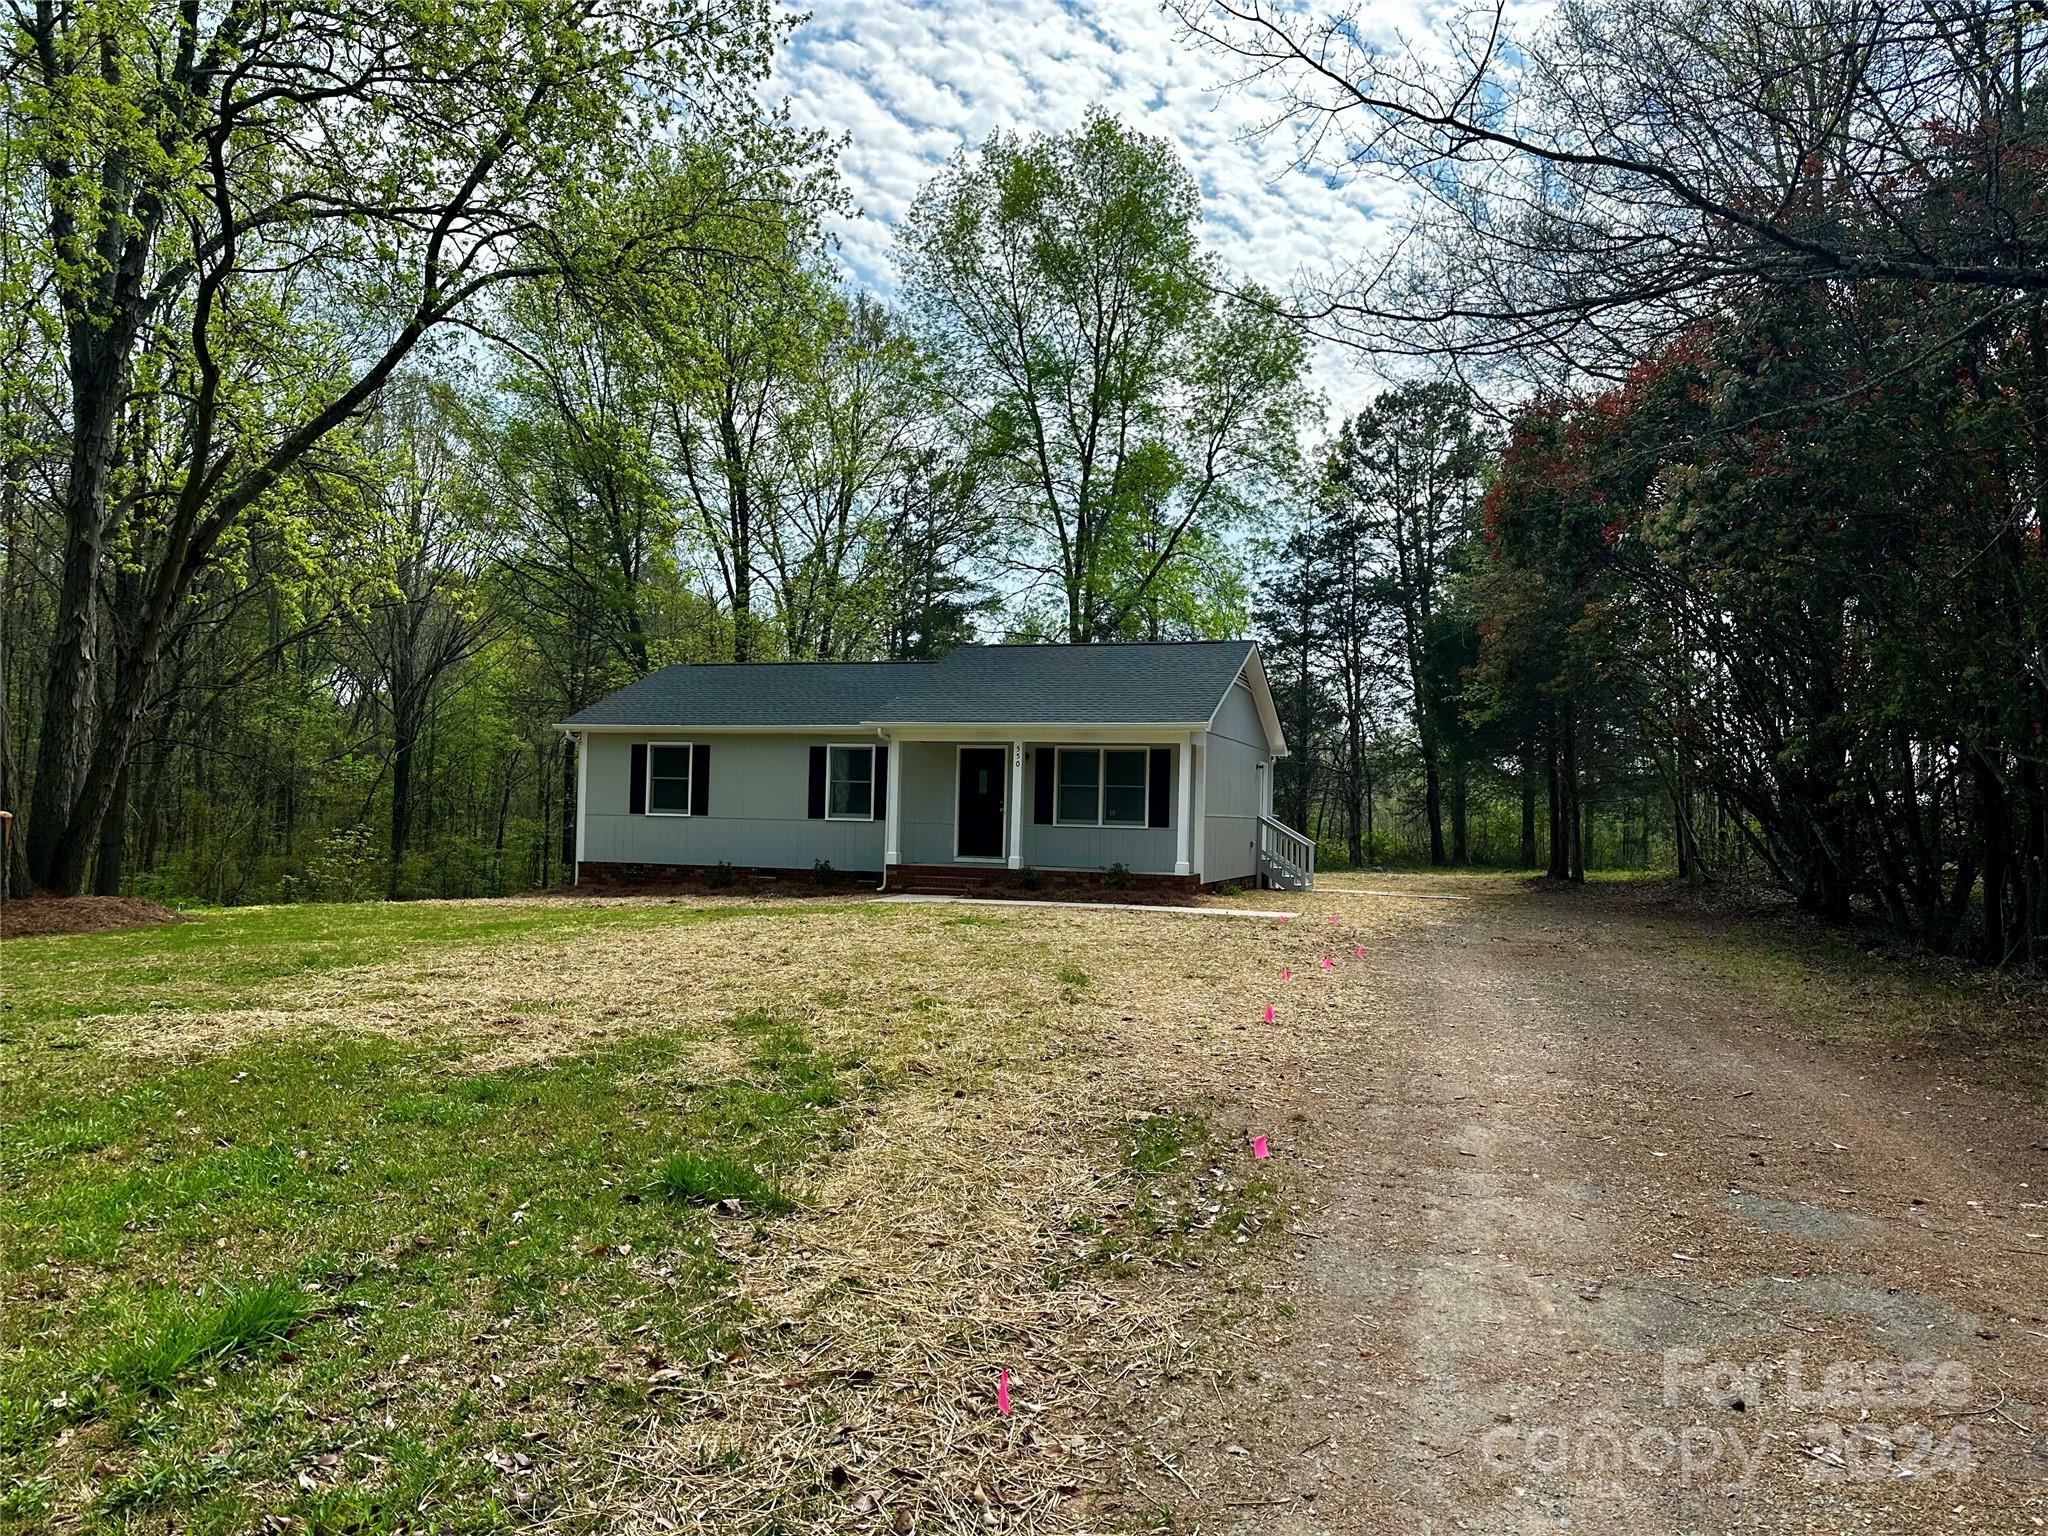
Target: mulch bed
[[39, 916]]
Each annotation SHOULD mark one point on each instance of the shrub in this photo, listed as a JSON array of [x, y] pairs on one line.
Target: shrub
[[1117, 876], [721, 873], [346, 865]]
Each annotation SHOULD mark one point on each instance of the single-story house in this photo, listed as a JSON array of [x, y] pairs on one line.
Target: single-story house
[[995, 758]]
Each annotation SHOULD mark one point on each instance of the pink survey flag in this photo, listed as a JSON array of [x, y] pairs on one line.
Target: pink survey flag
[[1258, 1147], [1333, 919], [1329, 964], [1286, 974], [1283, 917], [1358, 950], [1003, 1392], [1269, 1013]]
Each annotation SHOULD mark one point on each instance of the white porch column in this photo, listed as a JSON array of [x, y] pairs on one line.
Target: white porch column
[[582, 800], [892, 814], [1183, 819], [1015, 845], [1199, 742]]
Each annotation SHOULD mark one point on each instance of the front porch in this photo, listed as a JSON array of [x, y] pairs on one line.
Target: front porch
[[964, 806]]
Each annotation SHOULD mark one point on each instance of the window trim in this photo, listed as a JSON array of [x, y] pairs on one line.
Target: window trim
[[1101, 753], [850, 746], [689, 751]]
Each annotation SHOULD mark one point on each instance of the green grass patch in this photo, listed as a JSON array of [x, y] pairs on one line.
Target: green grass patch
[[341, 1280], [163, 1349], [1854, 990], [1160, 1141], [699, 1178]]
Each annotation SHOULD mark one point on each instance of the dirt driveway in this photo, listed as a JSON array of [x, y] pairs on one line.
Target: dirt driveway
[[1591, 1243]]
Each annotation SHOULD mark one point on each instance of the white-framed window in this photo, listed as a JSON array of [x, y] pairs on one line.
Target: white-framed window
[[1126, 783], [850, 783], [1102, 787], [668, 778]]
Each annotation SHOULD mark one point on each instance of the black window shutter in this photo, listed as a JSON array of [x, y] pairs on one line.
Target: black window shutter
[[700, 779], [881, 782], [1041, 786], [636, 795], [1162, 780], [817, 783]]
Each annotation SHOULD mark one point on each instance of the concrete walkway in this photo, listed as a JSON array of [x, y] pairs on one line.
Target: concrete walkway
[[1109, 906]]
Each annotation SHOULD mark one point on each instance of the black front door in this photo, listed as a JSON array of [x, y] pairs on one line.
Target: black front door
[[981, 802]]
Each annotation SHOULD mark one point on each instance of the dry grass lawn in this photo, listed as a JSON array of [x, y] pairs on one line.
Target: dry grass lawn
[[471, 1216]]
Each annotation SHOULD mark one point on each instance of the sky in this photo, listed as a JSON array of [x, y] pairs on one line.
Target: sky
[[910, 81]]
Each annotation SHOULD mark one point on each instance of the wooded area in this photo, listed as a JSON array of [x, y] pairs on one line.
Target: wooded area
[[381, 388]]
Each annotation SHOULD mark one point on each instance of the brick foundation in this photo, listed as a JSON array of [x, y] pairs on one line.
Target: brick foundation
[[910, 879], [995, 880]]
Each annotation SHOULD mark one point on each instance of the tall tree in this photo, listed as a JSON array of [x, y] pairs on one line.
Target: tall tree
[[263, 214], [1589, 176], [1406, 475], [430, 616], [738, 332], [1118, 399]]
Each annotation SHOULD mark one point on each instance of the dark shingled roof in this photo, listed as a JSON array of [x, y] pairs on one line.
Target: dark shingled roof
[[1174, 683], [752, 693]]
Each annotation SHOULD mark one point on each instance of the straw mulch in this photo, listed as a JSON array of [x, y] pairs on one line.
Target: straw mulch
[[30, 917]]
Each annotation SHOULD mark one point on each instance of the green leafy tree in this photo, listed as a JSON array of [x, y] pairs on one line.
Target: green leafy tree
[[1121, 404], [1405, 477], [265, 214]]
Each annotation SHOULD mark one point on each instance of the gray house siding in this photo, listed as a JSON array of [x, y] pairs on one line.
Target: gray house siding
[[759, 811], [925, 813], [931, 786], [1237, 748], [1143, 850]]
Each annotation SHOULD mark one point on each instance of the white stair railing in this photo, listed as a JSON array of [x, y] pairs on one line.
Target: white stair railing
[[1287, 859]]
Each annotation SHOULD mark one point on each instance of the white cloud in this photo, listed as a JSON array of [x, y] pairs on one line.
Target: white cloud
[[910, 81]]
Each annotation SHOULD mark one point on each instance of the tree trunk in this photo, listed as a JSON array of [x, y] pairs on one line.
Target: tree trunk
[[1528, 778], [14, 857], [504, 814], [1371, 839], [1459, 786], [1995, 828], [69, 687], [99, 368], [401, 807], [1575, 822], [1433, 800], [109, 866], [136, 674], [1557, 866], [1353, 783]]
